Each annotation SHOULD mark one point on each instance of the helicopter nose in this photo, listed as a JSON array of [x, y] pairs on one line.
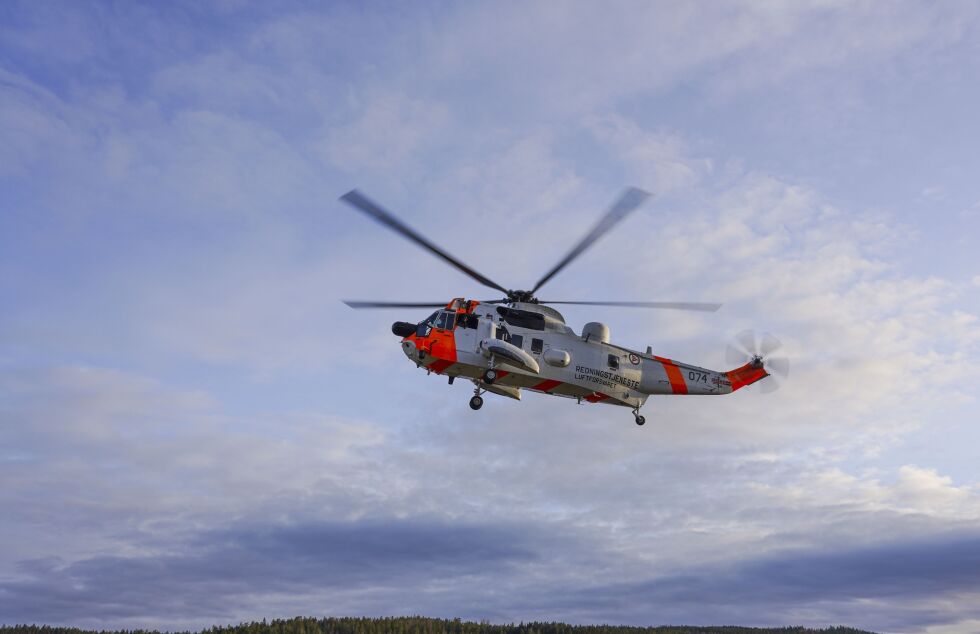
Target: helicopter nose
[[410, 350], [402, 328]]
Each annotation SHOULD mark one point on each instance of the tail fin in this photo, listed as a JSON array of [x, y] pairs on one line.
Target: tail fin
[[746, 375]]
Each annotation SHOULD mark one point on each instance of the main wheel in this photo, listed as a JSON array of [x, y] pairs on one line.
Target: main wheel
[[490, 376], [640, 420], [476, 402]]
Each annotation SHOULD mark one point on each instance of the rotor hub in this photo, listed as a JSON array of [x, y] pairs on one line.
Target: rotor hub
[[525, 297]]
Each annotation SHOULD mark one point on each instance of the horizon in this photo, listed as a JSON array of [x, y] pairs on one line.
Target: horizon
[[321, 621]]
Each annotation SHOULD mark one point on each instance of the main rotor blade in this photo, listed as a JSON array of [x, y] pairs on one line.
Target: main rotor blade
[[703, 307], [368, 304], [627, 202], [360, 201]]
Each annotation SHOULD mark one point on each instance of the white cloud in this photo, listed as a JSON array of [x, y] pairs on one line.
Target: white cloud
[[33, 125], [387, 130], [659, 161], [956, 627], [71, 432]]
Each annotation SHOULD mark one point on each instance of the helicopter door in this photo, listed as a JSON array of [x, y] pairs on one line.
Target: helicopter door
[[470, 330], [487, 329]]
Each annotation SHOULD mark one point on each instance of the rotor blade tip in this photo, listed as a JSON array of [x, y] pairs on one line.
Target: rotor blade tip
[[639, 192]]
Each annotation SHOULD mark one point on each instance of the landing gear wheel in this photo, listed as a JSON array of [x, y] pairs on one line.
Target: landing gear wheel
[[476, 402], [640, 420], [490, 376]]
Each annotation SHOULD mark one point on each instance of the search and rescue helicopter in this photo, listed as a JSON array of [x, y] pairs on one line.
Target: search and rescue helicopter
[[519, 342]]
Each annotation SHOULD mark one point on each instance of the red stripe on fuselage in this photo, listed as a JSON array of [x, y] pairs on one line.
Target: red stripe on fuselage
[[677, 384], [439, 365], [546, 386]]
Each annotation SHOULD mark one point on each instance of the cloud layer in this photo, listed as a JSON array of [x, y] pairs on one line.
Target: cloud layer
[[195, 429]]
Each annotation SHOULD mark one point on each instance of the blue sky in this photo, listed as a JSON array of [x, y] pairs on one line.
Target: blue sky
[[195, 430]]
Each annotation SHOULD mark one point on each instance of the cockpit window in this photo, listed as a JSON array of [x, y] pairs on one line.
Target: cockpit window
[[426, 325], [445, 320]]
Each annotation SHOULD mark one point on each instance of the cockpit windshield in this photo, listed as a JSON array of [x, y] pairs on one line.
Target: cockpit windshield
[[446, 320], [442, 319], [426, 325]]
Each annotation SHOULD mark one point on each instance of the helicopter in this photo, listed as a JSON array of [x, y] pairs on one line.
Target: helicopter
[[519, 342]]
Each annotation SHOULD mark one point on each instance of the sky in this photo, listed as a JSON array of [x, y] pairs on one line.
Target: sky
[[195, 430]]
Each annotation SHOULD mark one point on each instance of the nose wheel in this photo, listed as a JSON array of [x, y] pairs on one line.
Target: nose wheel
[[640, 420], [476, 402], [490, 376]]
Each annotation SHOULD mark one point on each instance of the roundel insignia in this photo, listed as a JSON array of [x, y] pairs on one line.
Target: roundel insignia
[[634, 359]]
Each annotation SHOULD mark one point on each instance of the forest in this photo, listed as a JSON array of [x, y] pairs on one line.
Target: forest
[[421, 625]]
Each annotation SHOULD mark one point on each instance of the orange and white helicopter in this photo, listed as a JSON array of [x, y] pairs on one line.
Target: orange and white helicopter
[[518, 342]]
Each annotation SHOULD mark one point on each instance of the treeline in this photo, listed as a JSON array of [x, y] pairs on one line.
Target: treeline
[[420, 625]]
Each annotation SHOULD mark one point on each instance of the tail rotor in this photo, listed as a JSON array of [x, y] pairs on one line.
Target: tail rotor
[[749, 348]]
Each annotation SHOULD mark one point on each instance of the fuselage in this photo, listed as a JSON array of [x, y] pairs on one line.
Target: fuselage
[[530, 348]]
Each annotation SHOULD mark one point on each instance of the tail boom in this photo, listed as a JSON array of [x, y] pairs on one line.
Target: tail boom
[[746, 375]]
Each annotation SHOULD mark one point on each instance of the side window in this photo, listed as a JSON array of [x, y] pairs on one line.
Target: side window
[[537, 345], [613, 362], [517, 340], [446, 320]]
